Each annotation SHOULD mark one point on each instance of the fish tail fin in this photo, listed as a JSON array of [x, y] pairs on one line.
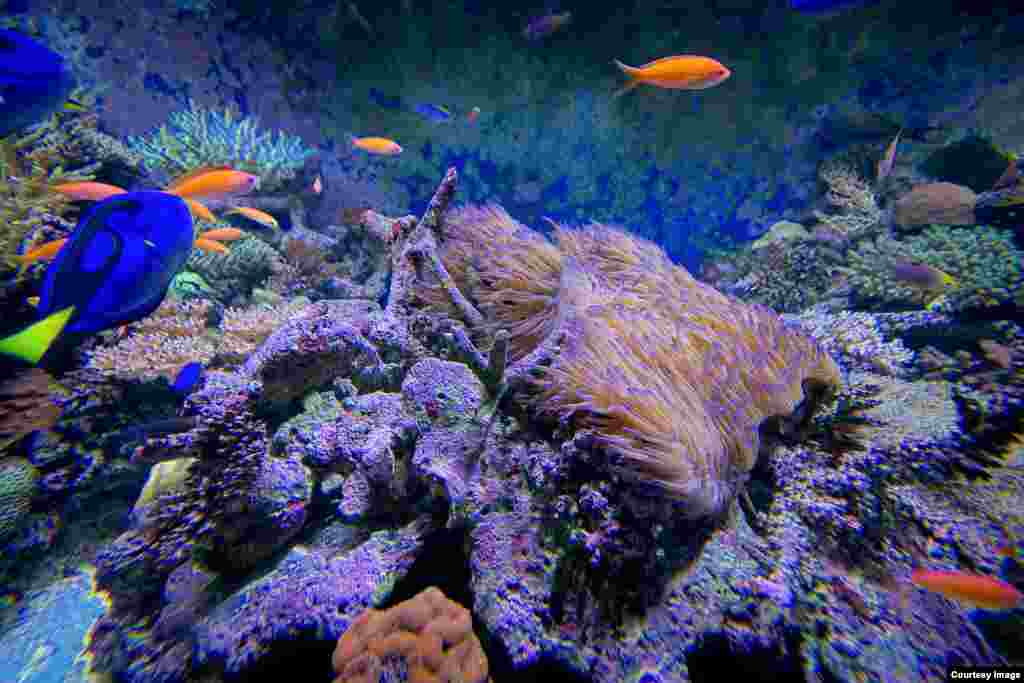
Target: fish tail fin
[[32, 343], [630, 75], [626, 88]]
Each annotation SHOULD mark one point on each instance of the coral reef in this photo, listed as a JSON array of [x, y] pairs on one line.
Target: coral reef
[[197, 137], [984, 262], [390, 424]]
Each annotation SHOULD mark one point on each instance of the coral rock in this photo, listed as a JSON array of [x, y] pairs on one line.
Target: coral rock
[[943, 203], [433, 635]]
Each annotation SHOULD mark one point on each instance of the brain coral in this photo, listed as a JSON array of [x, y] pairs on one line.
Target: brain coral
[[674, 377]]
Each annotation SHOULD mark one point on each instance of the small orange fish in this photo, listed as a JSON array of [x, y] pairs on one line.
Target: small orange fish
[[199, 211], [377, 146], [210, 246], [975, 589], [473, 115], [680, 72], [44, 252], [213, 182], [318, 186], [88, 190], [261, 217], [222, 235]]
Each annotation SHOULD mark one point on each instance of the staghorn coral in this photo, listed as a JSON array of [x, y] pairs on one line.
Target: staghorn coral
[[198, 137], [432, 634], [984, 261]]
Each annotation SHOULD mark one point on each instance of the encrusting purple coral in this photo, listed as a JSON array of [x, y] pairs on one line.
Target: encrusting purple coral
[[596, 494]]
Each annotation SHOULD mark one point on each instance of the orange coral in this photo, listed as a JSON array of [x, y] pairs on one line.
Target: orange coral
[[430, 632]]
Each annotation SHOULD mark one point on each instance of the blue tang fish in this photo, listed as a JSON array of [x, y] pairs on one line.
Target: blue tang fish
[[114, 269], [188, 378], [433, 112], [34, 81]]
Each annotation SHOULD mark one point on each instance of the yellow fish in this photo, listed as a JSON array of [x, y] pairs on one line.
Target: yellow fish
[[377, 146], [260, 217], [680, 72]]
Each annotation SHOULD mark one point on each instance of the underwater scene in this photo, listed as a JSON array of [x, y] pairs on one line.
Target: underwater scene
[[466, 341]]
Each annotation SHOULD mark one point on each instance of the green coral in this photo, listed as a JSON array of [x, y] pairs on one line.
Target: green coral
[[17, 486], [29, 168], [248, 262], [984, 261], [198, 137]]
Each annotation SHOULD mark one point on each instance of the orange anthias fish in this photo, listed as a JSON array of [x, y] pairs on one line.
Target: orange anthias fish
[[222, 235], [261, 217], [680, 72], [88, 190], [974, 589], [199, 211], [210, 246], [377, 146], [43, 252], [213, 182]]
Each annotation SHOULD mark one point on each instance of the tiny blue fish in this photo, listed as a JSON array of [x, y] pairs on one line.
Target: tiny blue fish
[[386, 101], [433, 112], [188, 378], [826, 6]]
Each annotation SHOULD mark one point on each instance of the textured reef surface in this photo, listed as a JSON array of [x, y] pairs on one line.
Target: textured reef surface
[[471, 433]]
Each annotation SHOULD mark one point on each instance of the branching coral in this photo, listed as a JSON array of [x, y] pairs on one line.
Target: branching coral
[[853, 196], [984, 261], [178, 333], [433, 635], [198, 137], [172, 336], [28, 173]]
